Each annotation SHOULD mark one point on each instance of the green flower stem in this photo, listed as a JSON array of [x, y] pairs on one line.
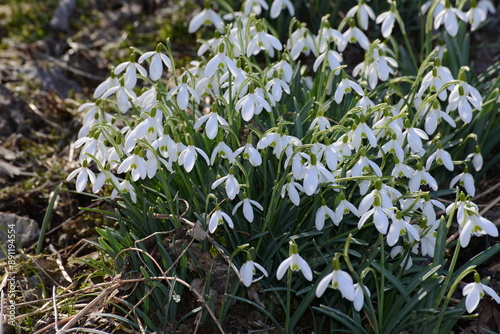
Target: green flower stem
[[288, 301], [382, 281]]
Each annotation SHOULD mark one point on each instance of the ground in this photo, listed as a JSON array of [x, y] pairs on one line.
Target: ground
[[46, 72]]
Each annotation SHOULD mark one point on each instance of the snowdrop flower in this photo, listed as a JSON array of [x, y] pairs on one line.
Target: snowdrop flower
[[279, 5], [276, 87], [150, 129], [344, 146], [93, 146], [345, 86], [333, 59], [283, 68], [213, 120], [188, 156], [248, 270], [217, 218], [407, 261], [148, 99], [263, 41], [321, 122], [254, 6], [400, 227], [158, 59], [448, 17], [110, 82], [477, 159], [292, 188], [239, 84], [211, 45], [475, 225], [131, 68], [434, 116], [475, 15], [400, 169], [354, 35], [361, 131], [364, 102], [220, 62], [428, 236], [206, 17], [301, 41], [252, 104], [381, 193], [252, 155], [487, 6], [104, 177], [208, 86], [84, 174], [387, 19], [422, 177], [322, 214], [136, 164], [393, 146], [433, 82], [441, 157], [279, 142], [414, 137], [232, 185], [183, 91], [313, 173], [94, 115], [223, 150], [359, 296], [124, 96], [332, 156], [475, 291], [439, 7], [463, 97], [464, 180], [165, 146], [125, 187], [380, 217], [362, 166], [294, 262], [247, 207], [344, 208], [363, 13], [377, 66], [337, 279], [327, 35]]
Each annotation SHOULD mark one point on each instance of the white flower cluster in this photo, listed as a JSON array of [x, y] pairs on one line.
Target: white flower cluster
[[376, 150]]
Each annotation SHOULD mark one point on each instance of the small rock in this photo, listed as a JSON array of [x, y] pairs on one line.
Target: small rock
[[61, 18], [26, 230]]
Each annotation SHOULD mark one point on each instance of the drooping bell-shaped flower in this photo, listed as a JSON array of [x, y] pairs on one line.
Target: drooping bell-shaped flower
[[217, 217], [475, 291], [294, 262], [231, 183], [158, 59], [248, 205], [248, 270], [206, 17], [338, 280]]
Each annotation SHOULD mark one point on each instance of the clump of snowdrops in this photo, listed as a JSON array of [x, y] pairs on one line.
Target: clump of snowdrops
[[336, 189]]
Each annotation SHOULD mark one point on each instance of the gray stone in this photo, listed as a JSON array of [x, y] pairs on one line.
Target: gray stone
[[26, 230]]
